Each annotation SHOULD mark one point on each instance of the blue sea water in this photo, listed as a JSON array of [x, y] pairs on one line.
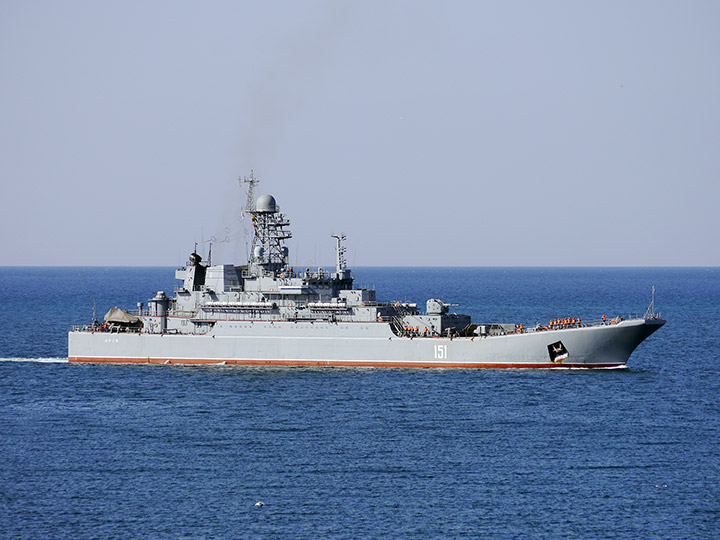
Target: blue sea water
[[171, 452]]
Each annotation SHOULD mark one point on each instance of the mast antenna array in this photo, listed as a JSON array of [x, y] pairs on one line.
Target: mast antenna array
[[650, 311], [340, 250], [251, 181], [267, 251]]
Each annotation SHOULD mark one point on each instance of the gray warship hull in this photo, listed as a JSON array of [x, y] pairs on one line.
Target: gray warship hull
[[268, 313], [374, 344]]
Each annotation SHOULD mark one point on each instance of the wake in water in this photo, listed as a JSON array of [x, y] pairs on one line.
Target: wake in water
[[39, 360]]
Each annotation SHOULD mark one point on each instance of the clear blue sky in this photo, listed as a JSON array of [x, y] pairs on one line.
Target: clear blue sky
[[431, 133]]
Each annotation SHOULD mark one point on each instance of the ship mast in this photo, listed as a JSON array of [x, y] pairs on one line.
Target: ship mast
[[650, 311], [339, 252], [340, 264], [268, 252], [251, 181]]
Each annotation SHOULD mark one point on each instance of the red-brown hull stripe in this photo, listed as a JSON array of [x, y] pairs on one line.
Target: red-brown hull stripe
[[349, 363]]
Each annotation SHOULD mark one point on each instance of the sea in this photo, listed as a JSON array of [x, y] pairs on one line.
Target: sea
[[232, 452]]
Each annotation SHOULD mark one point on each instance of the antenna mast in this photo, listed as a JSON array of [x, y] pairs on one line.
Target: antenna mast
[[340, 261], [341, 264], [650, 311], [251, 181], [267, 251]]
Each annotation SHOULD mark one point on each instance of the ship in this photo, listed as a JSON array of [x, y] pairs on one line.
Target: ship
[[268, 313]]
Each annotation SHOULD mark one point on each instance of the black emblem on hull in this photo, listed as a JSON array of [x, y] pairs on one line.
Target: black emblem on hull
[[557, 352]]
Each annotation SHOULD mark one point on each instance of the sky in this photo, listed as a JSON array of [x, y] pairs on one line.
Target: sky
[[457, 133]]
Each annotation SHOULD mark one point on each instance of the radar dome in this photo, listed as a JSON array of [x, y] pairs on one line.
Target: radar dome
[[265, 203]]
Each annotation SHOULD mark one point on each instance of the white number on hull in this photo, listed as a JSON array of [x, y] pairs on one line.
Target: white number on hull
[[441, 352]]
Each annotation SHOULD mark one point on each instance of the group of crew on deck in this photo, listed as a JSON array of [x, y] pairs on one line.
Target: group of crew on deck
[[576, 322], [566, 322], [414, 331]]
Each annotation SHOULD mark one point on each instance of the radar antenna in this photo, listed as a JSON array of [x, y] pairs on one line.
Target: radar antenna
[[268, 252]]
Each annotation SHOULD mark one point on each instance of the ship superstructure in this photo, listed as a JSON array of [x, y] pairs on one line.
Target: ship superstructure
[[267, 312]]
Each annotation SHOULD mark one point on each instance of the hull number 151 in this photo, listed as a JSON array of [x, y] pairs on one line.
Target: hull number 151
[[441, 352]]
